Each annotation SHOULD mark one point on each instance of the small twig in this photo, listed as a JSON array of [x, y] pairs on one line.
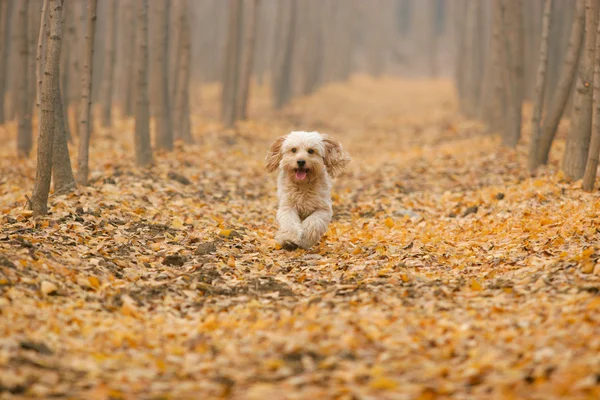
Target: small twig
[[64, 189], [29, 203]]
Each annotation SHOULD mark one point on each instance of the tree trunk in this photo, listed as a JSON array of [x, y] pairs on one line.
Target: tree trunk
[[591, 166], [181, 123], [232, 61], [540, 86], [39, 198], [6, 9], [109, 65], [283, 85], [129, 84], [578, 141], [143, 150], [564, 85], [514, 57], [62, 173], [65, 58], [86, 96], [39, 61], [160, 71], [314, 51], [248, 59], [24, 139]]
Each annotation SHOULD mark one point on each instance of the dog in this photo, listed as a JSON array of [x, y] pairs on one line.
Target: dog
[[307, 162]]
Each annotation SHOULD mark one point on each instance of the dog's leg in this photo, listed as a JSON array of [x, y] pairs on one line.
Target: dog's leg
[[290, 228], [314, 227]]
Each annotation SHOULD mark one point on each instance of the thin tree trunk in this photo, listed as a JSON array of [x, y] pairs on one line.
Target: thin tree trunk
[[62, 173], [181, 123], [314, 54], [39, 198], [130, 61], [24, 138], [39, 61], [514, 56], [578, 141], [540, 86], [65, 58], [565, 83], [6, 7], [248, 59], [591, 166], [86, 96], [109, 65], [160, 88], [232, 61], [143, 150]]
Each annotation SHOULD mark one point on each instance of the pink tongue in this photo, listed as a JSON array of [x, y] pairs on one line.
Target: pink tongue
[[300, 175]]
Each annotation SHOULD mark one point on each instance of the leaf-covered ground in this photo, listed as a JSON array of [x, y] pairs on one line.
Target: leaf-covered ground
[[448, 272]]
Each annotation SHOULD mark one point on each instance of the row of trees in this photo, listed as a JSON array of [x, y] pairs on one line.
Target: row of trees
[[547, 51]]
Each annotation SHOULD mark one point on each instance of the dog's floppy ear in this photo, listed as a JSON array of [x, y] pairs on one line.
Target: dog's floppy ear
[[335, 158], [274, 155]]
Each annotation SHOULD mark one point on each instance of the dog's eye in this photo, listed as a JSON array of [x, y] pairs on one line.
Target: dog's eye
[[294, 150], [311, 151]]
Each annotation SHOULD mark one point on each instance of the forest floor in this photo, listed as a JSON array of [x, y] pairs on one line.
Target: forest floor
[[448, 271]]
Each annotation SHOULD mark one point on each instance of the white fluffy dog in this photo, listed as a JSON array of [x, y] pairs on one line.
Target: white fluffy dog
[[306, 162]]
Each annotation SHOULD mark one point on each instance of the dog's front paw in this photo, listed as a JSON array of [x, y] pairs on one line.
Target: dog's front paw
[[288, 239]]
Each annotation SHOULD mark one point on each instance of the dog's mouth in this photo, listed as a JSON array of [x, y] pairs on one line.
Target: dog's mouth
[[301, 173]]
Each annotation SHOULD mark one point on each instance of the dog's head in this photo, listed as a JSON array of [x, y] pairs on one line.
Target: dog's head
[[307, 155]]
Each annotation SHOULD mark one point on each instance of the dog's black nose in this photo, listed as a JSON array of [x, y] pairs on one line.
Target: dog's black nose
[[301, 163]]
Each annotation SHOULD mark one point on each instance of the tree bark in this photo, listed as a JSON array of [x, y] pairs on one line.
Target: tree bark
[[143, 150], [39, 198], [62, 173], [86, 96], [181, 123], [109, 65], [540, 86], [39, 61], [24, 138], [6, 9], [578, 141], [248, 59], [565, 83], [514, 57], [129, 85], [160, 71], [232, 61], [591, 166]]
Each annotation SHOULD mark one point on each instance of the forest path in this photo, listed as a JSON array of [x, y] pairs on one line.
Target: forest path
[[447, 271]]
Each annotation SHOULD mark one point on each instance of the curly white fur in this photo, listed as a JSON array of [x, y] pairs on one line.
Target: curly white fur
[[307, 161]]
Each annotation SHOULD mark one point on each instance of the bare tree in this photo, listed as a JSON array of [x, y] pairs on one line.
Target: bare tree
[[248, 58], [514, 58], [39, 59], [232, 62], [109, 64], [181, 123], [86, 96], [129, 54], [578, 141], [143, 150], [39, 198], [565, 83], [592, 162], [24, 139], [160, 71], [6, 10], [62, 173], [540, 86]]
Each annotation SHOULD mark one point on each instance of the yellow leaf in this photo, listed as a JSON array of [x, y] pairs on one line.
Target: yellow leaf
[[48, 288], [94, 282], [177, 223], [26, 213], [231, 262], [594, 304], [389, 222], [383, 383], [475, 285], [225, 233], [404, 277]]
